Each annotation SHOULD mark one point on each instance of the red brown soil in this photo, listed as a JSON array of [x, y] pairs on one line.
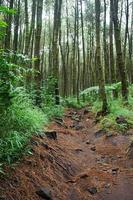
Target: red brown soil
[[69, 165]]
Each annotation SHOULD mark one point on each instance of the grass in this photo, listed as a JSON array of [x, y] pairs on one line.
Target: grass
[[71, 102], [20, 122], [116, 108]]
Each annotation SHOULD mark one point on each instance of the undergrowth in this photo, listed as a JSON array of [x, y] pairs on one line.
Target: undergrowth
[[71, 102], [116, 109], [116, 106], [21, 120]]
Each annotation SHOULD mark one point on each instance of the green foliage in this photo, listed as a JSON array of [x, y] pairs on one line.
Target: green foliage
[[48, 91], [11, 75], [18, 117], [117, 108], [53, 111], [6, 10], [48, 99], [3, 24], [92, 93], [71, 102], [21, 121]]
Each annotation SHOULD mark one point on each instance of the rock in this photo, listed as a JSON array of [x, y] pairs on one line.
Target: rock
[[107, 185], [78, 127], [45, 145], [92, 190], [93, 148], [45, 193], [86, 111], [35, 143], [100, 133], [78, 150], [109, 134], [121, 120], [115, 171], [88, 142], [51, 135]]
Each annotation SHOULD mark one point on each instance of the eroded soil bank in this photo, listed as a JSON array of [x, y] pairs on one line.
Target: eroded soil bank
[[83, 163]]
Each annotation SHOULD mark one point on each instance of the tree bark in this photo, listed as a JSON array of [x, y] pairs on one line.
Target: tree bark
[[102, 92], [120, 61], [55, 49], [38, 76]]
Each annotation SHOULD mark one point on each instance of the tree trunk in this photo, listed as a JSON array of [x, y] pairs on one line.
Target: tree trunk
[[98, 59], [83, 44], [55, 50], [26, 27], [120, 61], [38, 76], [16, 27]]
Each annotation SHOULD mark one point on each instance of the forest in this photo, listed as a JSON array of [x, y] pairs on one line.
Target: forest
[[66, 99]]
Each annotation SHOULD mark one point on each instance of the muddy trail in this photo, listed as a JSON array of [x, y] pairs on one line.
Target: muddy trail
[[75, 160]]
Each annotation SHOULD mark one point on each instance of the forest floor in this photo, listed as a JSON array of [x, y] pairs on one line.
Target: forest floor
[[82, 163]]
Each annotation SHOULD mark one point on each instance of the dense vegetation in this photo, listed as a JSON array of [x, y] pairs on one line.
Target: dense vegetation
[[58, 53]]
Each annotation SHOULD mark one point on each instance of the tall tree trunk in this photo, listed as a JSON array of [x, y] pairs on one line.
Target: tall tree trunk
[[16, 27], [26, 27], [83, 44], [32, 26], [78, 53], [38, 76], [111, 61], [55, 50], [120, 61], [98, 59], [126, 28], [131, 47], [106, 63], [74, 75]]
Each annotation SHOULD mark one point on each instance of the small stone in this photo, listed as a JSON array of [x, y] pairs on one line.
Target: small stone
[[86, 111], [114, 171], [88, 142], [107, 185], [35, 143], [108, 135], [45, 193], [78, 150], [100, 133], [45, 145], [121, 120], [78, 127], [51, 135], [92, 190], [93, 148]]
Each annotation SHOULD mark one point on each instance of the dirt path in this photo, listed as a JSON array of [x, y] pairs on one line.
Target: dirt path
[[83, 163]]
